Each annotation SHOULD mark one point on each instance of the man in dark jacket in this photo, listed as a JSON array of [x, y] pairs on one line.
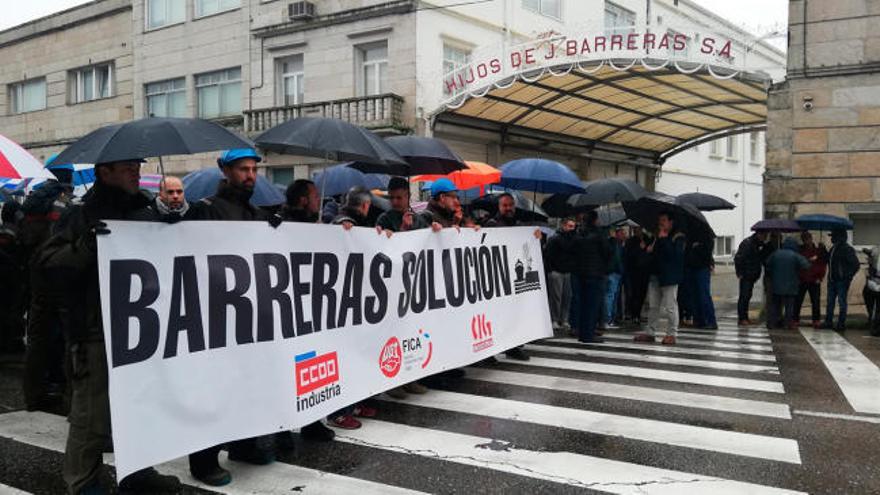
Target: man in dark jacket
[[811, 278], [699, 266], [843, 264], [444, 208], [13, 276], [71, 258], [400, 218], [302, 202], [231, 203], [749, 258], [668, 250], [559, 264], [784, 267], [637, 259], [170, 204], [591, 251]]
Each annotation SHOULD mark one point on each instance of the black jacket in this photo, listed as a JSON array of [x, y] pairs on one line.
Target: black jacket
[[750, 258], [70, 257], [843, 264], [436, 213], [298, 215], [230, 203], [353, 216], [698, 255], [591, 253], [560, 252], [499, 221], [393, 219]]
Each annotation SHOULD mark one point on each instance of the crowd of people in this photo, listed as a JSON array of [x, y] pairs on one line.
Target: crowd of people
[[599, 278]]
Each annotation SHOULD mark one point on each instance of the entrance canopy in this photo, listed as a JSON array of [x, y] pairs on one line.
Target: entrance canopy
[[638, 99]]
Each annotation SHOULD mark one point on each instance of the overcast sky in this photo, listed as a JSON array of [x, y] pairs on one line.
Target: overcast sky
[[759, 16]]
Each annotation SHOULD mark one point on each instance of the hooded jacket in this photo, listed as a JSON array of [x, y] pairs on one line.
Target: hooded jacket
[[843, 264], [784, 267]]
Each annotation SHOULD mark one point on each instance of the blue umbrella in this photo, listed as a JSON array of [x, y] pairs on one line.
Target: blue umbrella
[[821, 221], [338, 179], [203, 183], [540, 176]]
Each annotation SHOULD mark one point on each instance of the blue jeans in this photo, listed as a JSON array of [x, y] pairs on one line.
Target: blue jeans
[[574, 311], [591, 289], [704, 308], [612, 294], [837, 291]]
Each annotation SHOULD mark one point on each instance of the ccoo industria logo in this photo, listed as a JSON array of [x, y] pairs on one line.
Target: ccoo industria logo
[[317, 379], [526, 278], [407, 353], [481, 331]]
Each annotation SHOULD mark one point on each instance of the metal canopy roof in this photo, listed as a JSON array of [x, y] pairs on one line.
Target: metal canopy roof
[[649, 111]]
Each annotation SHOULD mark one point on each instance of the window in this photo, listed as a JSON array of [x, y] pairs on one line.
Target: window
[[755, 147], [166, 98], [165, 12], [219, 93], [291, 75], [715, 148], [208, 7], [27, 96], [454, 58], [723, 246], [373, 74], [618, 18], [282, 175], [866, 229], [731, 148], [91, 83], [550, 8]]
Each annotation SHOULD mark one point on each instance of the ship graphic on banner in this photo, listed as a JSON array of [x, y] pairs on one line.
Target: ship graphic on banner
[[526, 278]]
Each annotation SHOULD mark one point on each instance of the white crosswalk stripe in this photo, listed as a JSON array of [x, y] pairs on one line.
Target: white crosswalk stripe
[[532, 400], [48, 431], [8, 490], [727, 332], [695, 437], [653, 374], [754, 356], [705, 343], [633, 392], [560, 467], [855, 374], [647, 358]]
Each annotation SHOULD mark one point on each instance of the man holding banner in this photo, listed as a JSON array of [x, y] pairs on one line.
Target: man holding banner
[[71, 256]]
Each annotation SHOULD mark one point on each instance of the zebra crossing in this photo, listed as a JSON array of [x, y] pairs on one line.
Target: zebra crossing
[[617, 417]]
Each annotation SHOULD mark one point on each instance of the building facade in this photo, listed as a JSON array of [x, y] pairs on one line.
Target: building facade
[[251, 64], [823, 140]]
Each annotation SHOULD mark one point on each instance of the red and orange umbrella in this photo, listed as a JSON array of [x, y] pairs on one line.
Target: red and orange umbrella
[[476, 174]]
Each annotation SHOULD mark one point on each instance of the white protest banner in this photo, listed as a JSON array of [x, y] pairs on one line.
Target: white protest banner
[[217, 331]]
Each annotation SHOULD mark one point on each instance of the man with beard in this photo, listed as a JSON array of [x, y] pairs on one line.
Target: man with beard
[[232, 202], [71, 258]]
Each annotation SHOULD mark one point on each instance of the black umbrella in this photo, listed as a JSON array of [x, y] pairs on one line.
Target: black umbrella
[[557, 206], [706, 202], [778, 225], [646, 210], [526, 210], [423, 155], [331, 139], [605, 191], [151, 137], [611, 217]]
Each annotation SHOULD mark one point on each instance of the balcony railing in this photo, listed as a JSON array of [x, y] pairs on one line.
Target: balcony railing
[[379, 112]]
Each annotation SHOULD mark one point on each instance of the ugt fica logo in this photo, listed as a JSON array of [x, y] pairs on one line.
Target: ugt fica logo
[[481, 331], [317, 379], [526, 278], [406, 353]]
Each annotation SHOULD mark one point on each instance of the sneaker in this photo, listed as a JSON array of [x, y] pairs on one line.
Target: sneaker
[[253, 455], [365, 411], [317, 432], [217, 476], [397, 393], [284, 441], [643, 337], [668, 340], [612, 326], [149, 481], [415, 388], [517, 353], [346, 422]]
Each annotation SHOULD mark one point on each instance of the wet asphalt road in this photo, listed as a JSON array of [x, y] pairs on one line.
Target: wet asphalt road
[[552, 425]]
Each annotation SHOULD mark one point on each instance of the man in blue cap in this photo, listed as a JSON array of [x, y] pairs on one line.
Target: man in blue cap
[[232, 202], [444, 208], [233, 198]]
